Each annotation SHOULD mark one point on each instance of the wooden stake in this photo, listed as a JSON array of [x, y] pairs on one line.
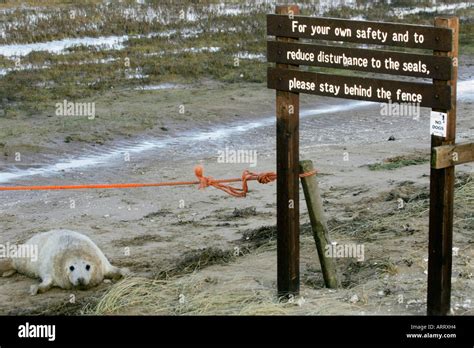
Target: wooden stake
[[442, 196], [318, 223], [287, 112]]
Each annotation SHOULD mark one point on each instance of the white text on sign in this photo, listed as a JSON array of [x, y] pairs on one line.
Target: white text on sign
[[357, 62], [354, 90], [369, 33], [438, 123]]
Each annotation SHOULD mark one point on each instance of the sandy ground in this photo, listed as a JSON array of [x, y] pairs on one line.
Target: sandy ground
[[150, 230]]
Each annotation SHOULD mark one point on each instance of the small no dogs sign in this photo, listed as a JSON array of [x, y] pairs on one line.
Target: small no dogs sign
[[438, 123]]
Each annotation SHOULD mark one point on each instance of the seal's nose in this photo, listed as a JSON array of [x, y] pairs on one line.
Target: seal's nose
[[81, 281]]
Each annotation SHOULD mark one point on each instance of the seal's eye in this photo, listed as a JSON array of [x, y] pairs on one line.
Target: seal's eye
[[71, 268], [88, 267]]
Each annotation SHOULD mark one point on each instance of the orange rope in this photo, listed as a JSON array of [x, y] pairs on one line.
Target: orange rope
[[203, 182]]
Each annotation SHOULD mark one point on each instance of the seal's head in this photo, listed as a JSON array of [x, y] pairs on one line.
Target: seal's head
[[82, 273], [79, 272]]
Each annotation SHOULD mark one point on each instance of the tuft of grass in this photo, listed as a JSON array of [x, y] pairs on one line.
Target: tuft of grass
[[195, 260], [418, 206], [400, 162], [186, 296], [260, 236]]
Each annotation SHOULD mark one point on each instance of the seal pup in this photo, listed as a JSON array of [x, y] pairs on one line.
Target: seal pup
[[65, 259]]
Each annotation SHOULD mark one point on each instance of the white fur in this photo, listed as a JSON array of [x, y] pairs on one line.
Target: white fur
[[66, 259]]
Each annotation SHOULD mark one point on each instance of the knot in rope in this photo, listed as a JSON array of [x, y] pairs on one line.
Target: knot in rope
[[262, 178]]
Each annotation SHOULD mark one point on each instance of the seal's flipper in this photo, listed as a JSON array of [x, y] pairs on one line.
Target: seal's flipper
[[45, 285], [6, 267], [116, 272], [9, 273]]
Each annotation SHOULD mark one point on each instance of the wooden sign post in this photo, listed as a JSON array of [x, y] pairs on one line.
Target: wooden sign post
[[288, 155], [288, 81], [440, 243]]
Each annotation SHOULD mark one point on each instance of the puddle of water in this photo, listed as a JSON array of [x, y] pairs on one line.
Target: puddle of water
[[82, 162], [58, 46], [106, 42], [158, 87], [441, 8], [211, 49], [248, 55]]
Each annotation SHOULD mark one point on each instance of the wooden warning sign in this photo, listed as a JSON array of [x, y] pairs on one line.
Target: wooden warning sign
[[359, 88], [383, 62], [439, 94], [376, 33]]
